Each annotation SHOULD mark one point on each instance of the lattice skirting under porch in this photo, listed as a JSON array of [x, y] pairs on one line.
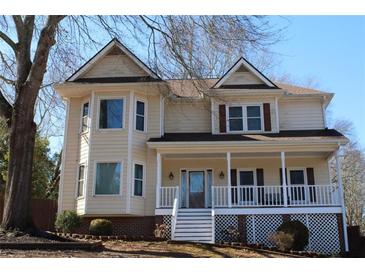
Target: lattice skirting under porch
[[324, 234], [166, 219]]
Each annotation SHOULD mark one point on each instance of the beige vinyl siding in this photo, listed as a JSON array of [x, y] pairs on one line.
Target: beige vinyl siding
[[138, 204], [115, 66], [243, 78], [271, 168], [301, 114], [108, 145], [187, 116], [244, 100], [72, 155]]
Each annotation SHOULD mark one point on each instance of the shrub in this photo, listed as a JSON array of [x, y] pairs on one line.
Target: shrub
[[291, 235], [160, 231], [67, 221], [283, 241], [101, 227]]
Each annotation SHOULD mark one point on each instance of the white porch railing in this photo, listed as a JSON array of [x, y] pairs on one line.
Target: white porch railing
[[168, 195], [272, 196]]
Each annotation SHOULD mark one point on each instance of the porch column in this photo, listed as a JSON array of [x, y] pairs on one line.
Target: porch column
[[158, 179], [229, 179], [283, 175], [340, 189]]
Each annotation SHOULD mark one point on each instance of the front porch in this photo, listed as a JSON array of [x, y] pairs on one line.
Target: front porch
[[246, 180]]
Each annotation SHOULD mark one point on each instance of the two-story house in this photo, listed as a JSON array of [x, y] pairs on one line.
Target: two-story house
[[201, 156]]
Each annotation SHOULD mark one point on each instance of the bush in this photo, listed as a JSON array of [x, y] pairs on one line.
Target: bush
[[67, 221], [291, 235], [101, 227], [160, 231], [283, 241]]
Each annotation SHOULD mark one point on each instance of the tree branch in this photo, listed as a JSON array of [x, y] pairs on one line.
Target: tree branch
[[8, 40]]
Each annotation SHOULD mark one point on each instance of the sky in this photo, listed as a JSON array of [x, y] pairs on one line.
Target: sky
[[328, 49]]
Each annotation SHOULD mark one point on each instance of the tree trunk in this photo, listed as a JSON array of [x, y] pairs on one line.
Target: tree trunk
[[18, 187]]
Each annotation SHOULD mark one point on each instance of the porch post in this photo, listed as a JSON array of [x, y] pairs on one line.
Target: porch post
[[229, 179], [283, 175], [158, 180], [340, 188]]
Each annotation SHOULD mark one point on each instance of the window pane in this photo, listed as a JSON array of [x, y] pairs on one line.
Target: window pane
[[85, 109], [81, 172], [253, 111], [235, 112], [108, 178], [80, 182], [246, 178], [138, 171], [111, 113], [235, 125], [297, 177], [140, 123], [196, 181], [138, 184], [140, 108], [254, 123]]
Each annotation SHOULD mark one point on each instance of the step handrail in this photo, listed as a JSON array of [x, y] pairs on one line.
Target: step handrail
[[174, 213]]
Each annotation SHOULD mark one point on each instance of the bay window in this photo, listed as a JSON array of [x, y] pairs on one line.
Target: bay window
[[111, 113], [108, 178]]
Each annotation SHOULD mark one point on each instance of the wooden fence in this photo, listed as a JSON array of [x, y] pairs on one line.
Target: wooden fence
[[43, 212]]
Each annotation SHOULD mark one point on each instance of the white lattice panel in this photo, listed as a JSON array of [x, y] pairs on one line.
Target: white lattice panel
[[222, 223], [166, 219], [323, 232], [259, 228]]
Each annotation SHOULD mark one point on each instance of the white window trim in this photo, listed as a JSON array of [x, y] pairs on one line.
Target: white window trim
[[124, 98], [143, 164], [306, 197], [121, 177], [288, 169], [88, 117], [244, 117], [77, 181], [144, 116], [246, 169]]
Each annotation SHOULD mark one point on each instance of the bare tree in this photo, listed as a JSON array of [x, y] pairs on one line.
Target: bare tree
[[353, 174], [37, 51]]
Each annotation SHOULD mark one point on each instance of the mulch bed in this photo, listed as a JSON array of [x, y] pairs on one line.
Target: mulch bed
[[43, 241]]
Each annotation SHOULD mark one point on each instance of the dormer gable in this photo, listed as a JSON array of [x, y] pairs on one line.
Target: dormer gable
[[114, 63], [244, 75]]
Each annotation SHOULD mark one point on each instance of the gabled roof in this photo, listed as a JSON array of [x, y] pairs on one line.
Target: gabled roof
[[246, 64], [105, 50]]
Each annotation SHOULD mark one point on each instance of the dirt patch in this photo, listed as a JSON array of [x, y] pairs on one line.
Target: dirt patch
[[145, 249], [20, 237]]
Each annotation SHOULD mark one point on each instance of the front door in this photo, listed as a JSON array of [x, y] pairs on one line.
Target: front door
[[196, 189]]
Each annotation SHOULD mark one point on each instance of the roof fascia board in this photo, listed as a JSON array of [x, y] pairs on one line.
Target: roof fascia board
[[248, 65], [102, 53]]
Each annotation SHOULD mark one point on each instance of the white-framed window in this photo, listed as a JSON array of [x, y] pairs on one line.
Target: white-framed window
[[85, 117], [245, 118], [140, 115], [138, 179], [108, 178], [297, 180], [81, 181], [111, 113]]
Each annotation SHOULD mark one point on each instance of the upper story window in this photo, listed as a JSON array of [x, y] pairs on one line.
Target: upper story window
[[111, 113], [85, 117], [244, 118], [140, 116], [80, 181]]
